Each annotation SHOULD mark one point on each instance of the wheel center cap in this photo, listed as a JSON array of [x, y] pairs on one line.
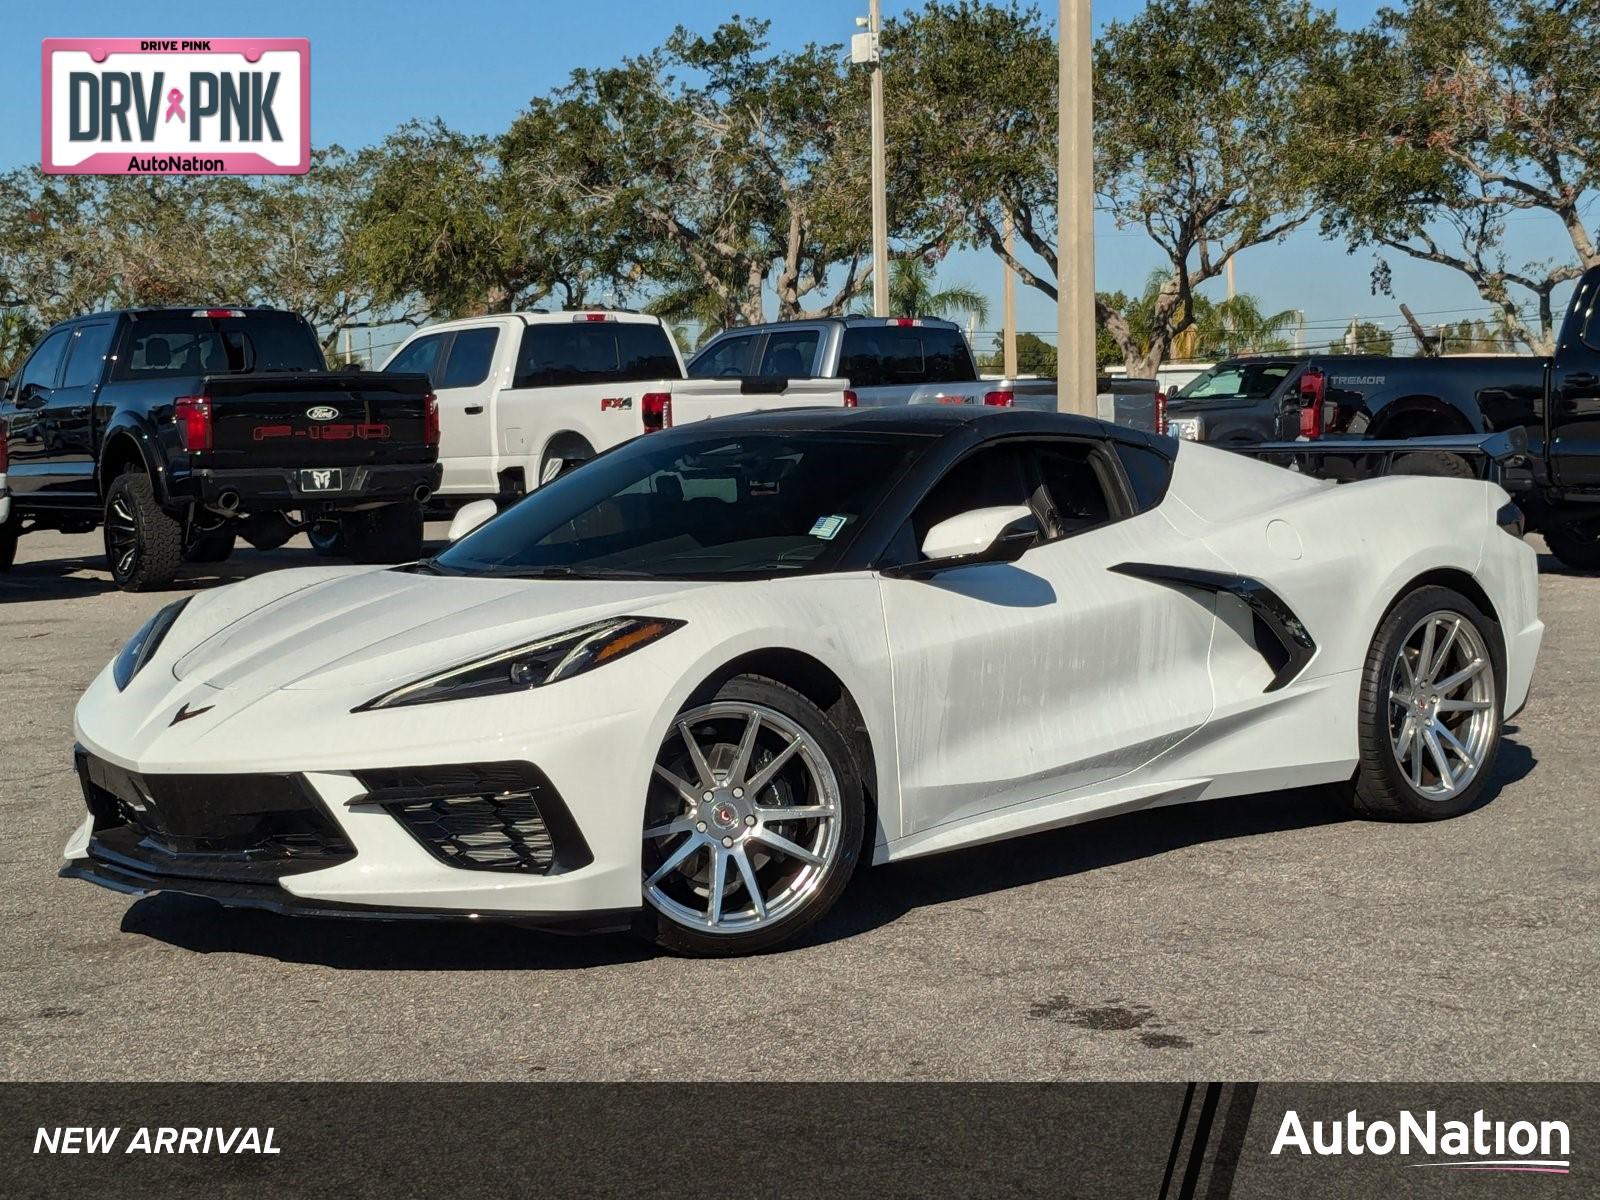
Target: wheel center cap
[[724, 815]]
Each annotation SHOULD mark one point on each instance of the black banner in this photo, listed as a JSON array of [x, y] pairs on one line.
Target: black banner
[[1157, 1141]]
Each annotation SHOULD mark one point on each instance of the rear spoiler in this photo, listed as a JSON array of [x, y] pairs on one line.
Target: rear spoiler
[[1496, 457]]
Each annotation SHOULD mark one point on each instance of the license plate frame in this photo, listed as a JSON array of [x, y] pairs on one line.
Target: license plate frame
[[322, 479]]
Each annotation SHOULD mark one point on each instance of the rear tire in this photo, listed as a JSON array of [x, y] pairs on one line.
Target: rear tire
[[1432, 462], [1576, 543], [706, 861], [1431, 705], [210, 545], [390, 534], [9, 532], [144, 543]]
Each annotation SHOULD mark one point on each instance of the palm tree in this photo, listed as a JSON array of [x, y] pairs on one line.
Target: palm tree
[[1238, 326], [912, 294]]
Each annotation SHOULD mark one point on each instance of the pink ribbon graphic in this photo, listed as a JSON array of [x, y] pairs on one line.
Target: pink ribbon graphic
[[175, 105]]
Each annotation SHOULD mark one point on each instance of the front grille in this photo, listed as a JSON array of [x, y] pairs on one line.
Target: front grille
[[483, 817], [240, 827]]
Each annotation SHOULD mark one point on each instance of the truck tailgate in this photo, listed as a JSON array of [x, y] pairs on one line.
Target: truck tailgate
[[701, 399], [321, 419]]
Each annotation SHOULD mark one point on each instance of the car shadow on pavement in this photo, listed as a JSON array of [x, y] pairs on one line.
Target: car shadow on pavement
[[875, 898], [199, 925], [881, 896]]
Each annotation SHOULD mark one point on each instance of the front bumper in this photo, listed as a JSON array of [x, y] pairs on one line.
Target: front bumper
[[270, 488]]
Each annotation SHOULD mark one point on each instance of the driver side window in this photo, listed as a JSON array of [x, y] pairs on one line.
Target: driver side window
[[728, 358]]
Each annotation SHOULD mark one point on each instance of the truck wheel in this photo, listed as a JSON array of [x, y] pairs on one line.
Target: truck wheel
[[267, 531], [1576, 543], [210, 545], [8, 543], [327, 539], [144, 544], [389, 534], [563, 456], [1451, 466]]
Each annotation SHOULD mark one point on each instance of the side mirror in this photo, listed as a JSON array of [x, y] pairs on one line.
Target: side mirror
[[1172, 391], [469, 516], [984, 535]]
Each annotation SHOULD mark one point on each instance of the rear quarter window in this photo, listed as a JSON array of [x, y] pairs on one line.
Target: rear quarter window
[[890, 355], [563, 354]]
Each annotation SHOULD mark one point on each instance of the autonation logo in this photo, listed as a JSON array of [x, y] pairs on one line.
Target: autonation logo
[[1476, 1145]]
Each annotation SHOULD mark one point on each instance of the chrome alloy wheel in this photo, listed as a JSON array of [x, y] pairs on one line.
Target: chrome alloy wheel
[[1442, 705], [742, 822]]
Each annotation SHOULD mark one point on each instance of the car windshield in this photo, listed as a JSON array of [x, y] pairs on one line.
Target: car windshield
[[741, 504], [1224, 382]]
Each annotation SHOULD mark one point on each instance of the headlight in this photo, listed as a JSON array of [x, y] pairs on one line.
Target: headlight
[[533, 665], [142, 646]]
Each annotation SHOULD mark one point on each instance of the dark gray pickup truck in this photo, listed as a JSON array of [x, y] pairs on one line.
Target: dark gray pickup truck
[[178, 430], [1554, 401]]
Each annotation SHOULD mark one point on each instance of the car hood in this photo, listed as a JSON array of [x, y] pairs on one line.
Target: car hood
[[380, 627]]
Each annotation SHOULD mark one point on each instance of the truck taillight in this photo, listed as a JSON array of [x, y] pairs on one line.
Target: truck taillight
[[594, 317], [851, 400], [430, 420], [656, 410], [904, 321], [1313, 393], [217, 312], [5, 454], [192, 416], [1004, 398], [1161, 412]]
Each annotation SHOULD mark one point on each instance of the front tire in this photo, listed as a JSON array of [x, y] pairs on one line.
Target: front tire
[[1432, 702], [754, 822], [144, 543], [1434, 462], [390, 534]]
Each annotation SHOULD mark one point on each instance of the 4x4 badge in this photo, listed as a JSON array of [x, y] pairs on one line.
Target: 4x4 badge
[[184, 713]]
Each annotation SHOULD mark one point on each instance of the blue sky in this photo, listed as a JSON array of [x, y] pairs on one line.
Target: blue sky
[[476, 62]]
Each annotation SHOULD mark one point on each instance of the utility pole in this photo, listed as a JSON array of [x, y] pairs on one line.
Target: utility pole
[[1230, 279], [1075, 332], [1008, 305], [866, 48]]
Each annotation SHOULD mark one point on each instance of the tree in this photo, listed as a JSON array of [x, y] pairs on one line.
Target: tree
[[450, 228], [1197, 134], [1363, 337], [18, 333], [1444, 120], [912, 293], [714, 168], [1239, 326]]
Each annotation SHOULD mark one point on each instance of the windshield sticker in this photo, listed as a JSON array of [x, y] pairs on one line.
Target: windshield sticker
[[827, 528]]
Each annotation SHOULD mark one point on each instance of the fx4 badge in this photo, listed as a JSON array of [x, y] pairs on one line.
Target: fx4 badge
[[322, 412], [185, 712]]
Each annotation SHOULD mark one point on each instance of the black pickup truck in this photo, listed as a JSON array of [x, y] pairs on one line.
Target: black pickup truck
[[179, 429], [1555, 401]]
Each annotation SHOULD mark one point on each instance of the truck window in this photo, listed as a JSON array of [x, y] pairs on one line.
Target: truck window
[[471, 355], [421, 357], [89, 350], [43, 367], [1240, 382], [726, 358], [563, 354], [163, 344], [889, 355], [790, 354]]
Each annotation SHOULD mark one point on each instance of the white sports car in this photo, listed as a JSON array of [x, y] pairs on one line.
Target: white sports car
[[691, 686]]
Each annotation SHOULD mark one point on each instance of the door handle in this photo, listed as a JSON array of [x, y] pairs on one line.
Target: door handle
[[1581, 379], [473, 410]]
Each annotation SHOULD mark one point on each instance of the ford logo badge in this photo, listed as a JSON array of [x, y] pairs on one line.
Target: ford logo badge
[[322, 413]]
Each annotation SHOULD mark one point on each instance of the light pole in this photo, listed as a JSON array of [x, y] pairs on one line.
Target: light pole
[[865, 47], [1075, 333]]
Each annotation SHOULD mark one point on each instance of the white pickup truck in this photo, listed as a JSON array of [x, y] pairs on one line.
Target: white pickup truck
[[523, 396], [900, 360]]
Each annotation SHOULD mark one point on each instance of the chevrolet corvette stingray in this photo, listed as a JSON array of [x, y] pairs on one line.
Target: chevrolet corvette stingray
[[691, 686]]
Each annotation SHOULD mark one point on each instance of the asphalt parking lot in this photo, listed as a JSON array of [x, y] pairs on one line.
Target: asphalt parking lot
[[1266, 938]]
